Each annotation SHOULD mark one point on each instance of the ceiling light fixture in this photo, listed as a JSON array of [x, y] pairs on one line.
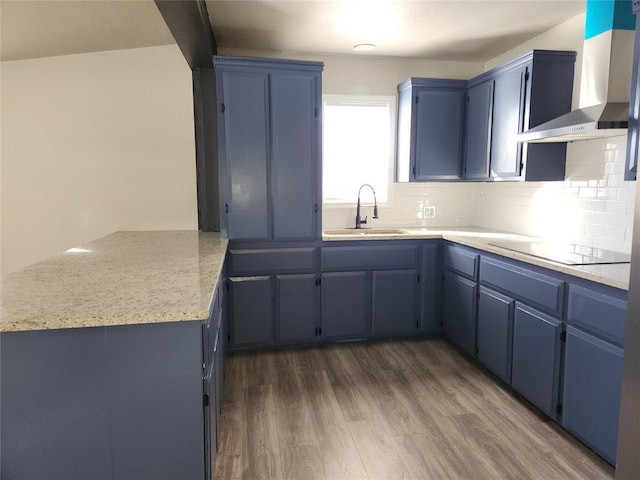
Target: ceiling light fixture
[[364, 47]]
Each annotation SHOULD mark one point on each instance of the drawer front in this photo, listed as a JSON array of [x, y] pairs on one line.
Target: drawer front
[[598, 313], [532, 287], [365, 258], [266, 262], [461, 260]]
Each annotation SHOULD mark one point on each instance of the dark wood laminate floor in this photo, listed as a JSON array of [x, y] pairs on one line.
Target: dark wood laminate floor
[[387, 410]]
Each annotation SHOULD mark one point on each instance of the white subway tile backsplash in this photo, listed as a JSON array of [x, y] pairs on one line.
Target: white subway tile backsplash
[[593, 206]]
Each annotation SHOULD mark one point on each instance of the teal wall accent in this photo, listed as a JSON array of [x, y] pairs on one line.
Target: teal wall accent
[[605, 15]]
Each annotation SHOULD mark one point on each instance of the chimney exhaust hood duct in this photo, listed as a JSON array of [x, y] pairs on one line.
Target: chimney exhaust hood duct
[[605, 84]]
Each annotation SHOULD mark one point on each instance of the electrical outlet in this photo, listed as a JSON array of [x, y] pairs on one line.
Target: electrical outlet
[[428, 211]]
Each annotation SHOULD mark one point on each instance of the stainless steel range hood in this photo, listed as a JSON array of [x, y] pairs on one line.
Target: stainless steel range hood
[[605, 86]]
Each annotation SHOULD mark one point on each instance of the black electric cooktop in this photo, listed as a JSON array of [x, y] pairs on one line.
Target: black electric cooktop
[[566, 253]]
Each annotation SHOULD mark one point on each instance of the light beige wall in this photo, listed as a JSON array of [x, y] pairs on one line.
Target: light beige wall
[[370, 75], [566, 36], [91, 144]]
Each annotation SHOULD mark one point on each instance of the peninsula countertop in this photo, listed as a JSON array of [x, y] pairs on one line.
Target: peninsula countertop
[[122, 279]]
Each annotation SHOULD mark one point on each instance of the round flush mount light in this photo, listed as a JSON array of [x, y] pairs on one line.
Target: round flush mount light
[[364, 47]]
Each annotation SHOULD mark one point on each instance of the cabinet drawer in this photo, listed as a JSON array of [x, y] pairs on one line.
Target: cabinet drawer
[[282, 260], [365, 258], [598, 313], [461, 260], [534, 288]]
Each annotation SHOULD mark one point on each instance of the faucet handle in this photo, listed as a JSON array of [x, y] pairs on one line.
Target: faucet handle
[[365, 220]]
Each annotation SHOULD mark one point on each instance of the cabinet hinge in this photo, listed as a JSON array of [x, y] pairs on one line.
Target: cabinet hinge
[[315, 112], [228, 338], [526, 75], [417, 99], [418, 278], [316, 332], [414, 171], [417, 323], [223, 108], [563, 336], [315, 208], [319, 331], [559, 409], [228, 282], [226, 208], [205, 400], [318, 282]]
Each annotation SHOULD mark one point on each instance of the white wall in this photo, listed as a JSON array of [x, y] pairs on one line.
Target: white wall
[[91, 144]]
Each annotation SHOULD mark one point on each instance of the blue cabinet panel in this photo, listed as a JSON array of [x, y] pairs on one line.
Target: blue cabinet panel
[[294, 154], [495, 332], [592, 389], [273, 260], [536, 357], [55, 405], [251, 310], [369, 257], [535, 288], [461, 260], [395, 302], [431, 288], [508, 113], [459, 311], [478, 133], [439, 128], [245, 127], [346, 305], [154, 374], [598, 313], [296, 307]]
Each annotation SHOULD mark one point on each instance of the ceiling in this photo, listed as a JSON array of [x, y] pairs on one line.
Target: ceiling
[[436, 29]]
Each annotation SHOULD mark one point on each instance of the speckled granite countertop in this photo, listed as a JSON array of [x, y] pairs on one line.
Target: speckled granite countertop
[[613, 275], [124, 278]]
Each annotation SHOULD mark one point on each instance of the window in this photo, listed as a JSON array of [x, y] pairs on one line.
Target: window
[[357, 146]]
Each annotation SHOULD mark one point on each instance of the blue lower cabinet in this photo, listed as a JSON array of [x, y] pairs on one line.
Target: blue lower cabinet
[[536, 357], [592, 389], [251, 311], [296, 307], [459, 311], [345, 305], [495, 332], [395, 302]]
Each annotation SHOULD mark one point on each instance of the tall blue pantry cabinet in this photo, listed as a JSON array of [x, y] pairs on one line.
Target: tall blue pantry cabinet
[[269, 141]]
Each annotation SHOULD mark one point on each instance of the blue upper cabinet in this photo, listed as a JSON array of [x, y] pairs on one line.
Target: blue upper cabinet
[[430, 129], [509, 99], [269, 144], [634, 106]]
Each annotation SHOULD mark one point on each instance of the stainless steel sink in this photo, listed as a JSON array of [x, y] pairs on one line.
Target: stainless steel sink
[[365, 231]]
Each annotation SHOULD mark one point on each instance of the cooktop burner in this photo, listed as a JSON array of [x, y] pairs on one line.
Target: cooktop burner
[[566, 253]]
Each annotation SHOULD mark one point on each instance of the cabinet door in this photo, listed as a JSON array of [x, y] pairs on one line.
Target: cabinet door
[[245, 147], [592, 388], [478, 137], [395, 302], [345, 305], [251, 310], [459, 311], [296, 307], [294, 146], [439, 127], [536, 357], [495, 332], [508, 114]]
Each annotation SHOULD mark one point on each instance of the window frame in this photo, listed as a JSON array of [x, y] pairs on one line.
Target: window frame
[[366, 100]]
